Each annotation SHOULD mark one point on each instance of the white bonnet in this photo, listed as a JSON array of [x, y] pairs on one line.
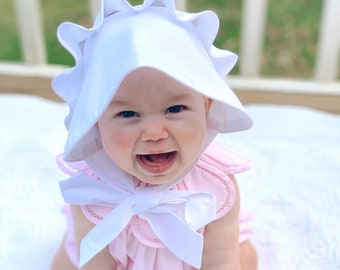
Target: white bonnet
[[124, 38]]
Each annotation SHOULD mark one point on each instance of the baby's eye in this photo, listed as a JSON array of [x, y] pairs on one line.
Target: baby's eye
[[128, 114], [175, 109]]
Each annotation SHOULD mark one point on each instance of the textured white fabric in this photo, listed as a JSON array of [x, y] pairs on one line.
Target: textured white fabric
[[293, 189]]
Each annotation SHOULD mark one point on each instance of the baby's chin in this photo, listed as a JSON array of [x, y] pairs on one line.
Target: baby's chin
[[158, 179]]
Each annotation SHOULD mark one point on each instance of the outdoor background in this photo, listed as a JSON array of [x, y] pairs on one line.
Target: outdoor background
[[290, 41]]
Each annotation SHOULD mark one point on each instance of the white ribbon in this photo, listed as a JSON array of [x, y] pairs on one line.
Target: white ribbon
[[162, 209]]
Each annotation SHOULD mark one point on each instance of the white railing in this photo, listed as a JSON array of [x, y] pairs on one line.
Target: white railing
[[324, 81], [327, 57]]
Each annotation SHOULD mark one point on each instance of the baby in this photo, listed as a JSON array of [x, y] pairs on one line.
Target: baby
[[149, 189]]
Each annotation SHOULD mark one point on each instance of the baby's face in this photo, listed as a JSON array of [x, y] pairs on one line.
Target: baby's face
[[154, 127]]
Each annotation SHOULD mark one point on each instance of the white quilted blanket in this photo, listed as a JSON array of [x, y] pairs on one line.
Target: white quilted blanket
[[293, 190]]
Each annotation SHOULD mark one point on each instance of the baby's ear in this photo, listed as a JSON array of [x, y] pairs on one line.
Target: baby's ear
[[208, 103]]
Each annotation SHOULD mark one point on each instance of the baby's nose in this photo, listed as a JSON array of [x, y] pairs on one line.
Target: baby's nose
[[154, 130]]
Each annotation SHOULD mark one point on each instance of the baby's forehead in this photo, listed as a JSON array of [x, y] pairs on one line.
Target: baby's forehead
[[151, 80]]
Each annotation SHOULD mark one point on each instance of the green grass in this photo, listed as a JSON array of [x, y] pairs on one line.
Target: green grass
[[9, 44], [290, 41], [291, 38]]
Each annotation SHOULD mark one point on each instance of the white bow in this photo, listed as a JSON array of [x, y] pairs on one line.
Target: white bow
[[182, 211]]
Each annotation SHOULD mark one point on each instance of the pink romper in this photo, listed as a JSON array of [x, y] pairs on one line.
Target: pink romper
[[137, 247]]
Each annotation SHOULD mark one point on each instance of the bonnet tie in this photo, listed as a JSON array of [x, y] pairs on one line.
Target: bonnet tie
[[182, 211]]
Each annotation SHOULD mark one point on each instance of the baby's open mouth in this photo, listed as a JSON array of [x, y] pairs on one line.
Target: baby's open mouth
[[157, 163]]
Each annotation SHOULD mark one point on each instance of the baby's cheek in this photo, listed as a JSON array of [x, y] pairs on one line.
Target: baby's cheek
[[117, 142], [123, 140], [194, 137], [194, 133]]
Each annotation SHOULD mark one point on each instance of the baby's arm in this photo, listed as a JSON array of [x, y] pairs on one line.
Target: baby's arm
[[221, 239], [103, 260]]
